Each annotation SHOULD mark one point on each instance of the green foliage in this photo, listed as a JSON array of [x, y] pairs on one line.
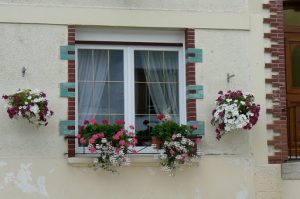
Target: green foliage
[[167, 128]]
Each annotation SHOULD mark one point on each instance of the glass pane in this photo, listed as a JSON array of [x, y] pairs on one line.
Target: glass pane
[[140, 65], [141, 98], [100, 118], [101, 98], [114, 118], [156, 72], [85, 96], [158, 99], [81, 119], [171, 97], [85, 65], [171, 66], [116, 62], [116, 98], [101, 64], [296, 66], [143, 130]]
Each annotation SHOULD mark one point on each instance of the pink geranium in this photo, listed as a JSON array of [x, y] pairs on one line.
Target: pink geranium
[[198, 140], [105, 121], [120, 122], [161, 116], [86, 122], [82, 140], [93, 121], [116, 137], [194, 126], [174, 136], [122, 142]]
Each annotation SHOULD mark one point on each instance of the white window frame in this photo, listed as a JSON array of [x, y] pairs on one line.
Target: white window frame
[[129, 95]]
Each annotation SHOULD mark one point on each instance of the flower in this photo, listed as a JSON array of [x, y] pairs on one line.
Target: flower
[[120, 122], [174, 136], [131, 127], [197, 140], [122, 142], [93, 121], [161, 116], [86, 122], [234, 110], [194, 126], [28, 105], [105, 121], [111, 143]]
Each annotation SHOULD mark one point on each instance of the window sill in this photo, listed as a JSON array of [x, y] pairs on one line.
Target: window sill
[[137, 160]]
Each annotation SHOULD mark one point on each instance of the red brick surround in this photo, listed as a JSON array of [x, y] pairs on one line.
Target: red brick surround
[[190, 74], [71, 100], [278, 81]]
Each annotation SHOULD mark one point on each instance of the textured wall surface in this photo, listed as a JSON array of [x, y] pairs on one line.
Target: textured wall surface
[[193, 5], [33, 163]]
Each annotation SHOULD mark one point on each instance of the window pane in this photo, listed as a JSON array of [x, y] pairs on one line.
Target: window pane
[[143, 130], [101, 65], [140, 65], [101, 102], [85, 65], [116, 98], [155, 70], [141, 98], [85, 96], [171, 96], [116, 62], [171, 66], [296, 66], [114, 118]]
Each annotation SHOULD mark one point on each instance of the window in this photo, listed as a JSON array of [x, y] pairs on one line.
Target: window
[[134, 83]]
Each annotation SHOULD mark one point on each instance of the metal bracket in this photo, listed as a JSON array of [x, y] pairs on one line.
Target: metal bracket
[[198, 55], [64, 52], [63, 126], [199, 92], [64, 89]]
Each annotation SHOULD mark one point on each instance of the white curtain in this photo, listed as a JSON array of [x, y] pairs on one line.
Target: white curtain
[[92, 66], [161, 69]]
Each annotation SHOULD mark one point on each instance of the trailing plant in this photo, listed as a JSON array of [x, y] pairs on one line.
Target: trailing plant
[[234, 110], [28, 104], [111, 143], [178, 148]]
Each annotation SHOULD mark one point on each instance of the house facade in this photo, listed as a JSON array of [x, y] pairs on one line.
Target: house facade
[[93, 59]]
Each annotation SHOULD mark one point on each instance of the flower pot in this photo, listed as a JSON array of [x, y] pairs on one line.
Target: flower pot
[[157, 142]]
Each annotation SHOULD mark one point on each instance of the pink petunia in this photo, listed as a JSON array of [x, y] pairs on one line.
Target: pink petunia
[[198, 140], [174, 136], [120, 133], [161, 116], [122, 142], [93, 121], [78, 136]]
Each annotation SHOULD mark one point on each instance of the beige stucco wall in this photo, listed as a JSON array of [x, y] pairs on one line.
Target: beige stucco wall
[[32, 161]]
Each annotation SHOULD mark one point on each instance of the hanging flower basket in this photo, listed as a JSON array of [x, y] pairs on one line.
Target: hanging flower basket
[[111, 142], [234, 110], [28, 104]]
